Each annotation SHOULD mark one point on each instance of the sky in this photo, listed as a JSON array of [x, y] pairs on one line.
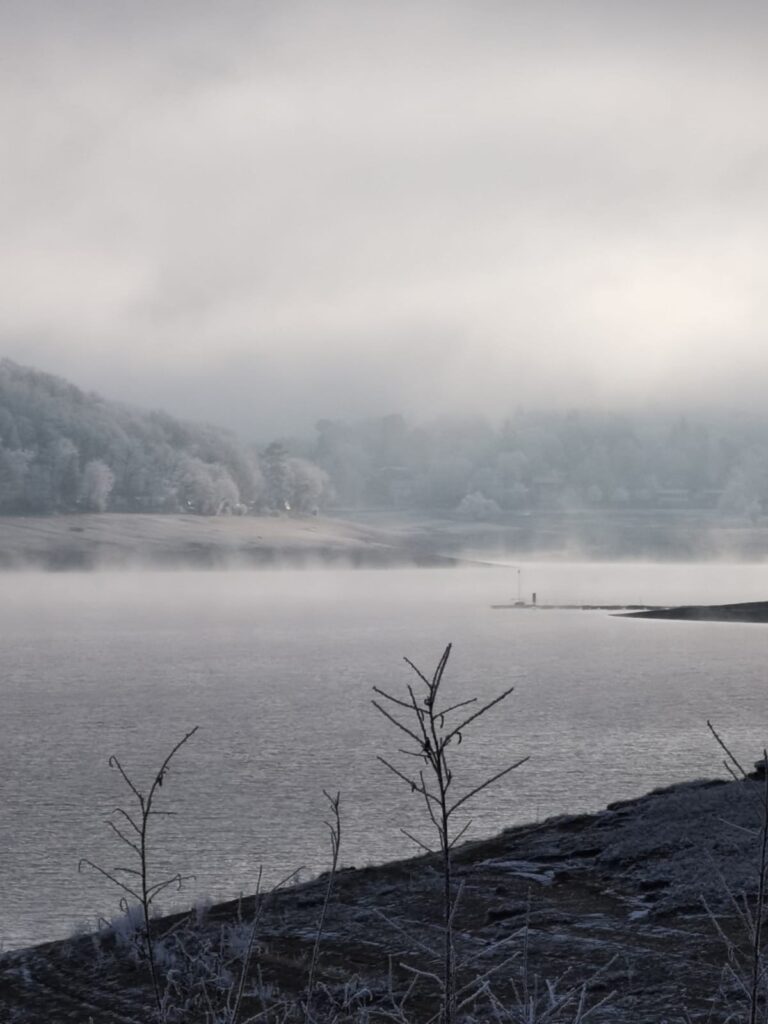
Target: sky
[[264, 213]]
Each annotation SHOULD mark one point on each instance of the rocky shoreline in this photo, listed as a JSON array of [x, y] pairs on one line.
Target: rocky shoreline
[[745, 611], [616, 901]]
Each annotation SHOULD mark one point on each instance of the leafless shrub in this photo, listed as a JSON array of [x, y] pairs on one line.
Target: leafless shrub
[[334, 830], [136, 882], [432, 729], [745, 974]]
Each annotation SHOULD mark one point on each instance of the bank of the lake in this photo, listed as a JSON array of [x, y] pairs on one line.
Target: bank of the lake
[[615, 899], [371, 538], [119, 540], [743, 611]]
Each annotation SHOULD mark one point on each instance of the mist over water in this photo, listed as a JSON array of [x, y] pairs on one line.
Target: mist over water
[[277, 668]]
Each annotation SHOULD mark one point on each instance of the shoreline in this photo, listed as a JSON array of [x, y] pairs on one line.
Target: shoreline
[[112, 540], [615, 894], [743, 611], [86, 541]]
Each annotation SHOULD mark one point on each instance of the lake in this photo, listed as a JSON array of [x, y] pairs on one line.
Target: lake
[[277, 668]]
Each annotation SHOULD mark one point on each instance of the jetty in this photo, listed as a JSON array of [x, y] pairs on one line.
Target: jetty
[[533, 606], [745, 611]]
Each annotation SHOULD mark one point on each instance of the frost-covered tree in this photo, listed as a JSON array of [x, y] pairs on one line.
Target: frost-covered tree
[[50, 431], [277, 476], [205, 489], [14, 468], [477, 508], [307, 485], [96, 486], [64, 460]]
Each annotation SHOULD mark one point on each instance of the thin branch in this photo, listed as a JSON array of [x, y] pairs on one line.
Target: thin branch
[[463, 832], [129, 819], [335, 830], [113, 762], [758, 927], [455, 707], [125, 839], [422, 717], [158, 887], [394, 721], [418, 672], [109, 875], [166, 764], [729, 754], [409, 782], [415, 839], [437, 678], [128, 871], [422, 974], [249, 949], [396, 700], [477, 714], [430, 809], [488, 782]]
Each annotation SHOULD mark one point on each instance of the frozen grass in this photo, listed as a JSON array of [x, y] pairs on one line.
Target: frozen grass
[[208, 971]]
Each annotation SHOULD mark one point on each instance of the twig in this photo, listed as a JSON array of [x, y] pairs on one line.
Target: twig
[[334, 829]]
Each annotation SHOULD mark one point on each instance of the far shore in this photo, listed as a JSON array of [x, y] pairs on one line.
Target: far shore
[[132, 540], [746, 611], [366, 539]]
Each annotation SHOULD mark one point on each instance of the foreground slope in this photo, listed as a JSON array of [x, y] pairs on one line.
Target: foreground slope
[[614, 899]]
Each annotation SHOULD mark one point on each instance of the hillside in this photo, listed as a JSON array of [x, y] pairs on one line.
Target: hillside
[[65, 450]]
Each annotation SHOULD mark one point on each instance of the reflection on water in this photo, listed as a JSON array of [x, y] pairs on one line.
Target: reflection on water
[[276, 668]]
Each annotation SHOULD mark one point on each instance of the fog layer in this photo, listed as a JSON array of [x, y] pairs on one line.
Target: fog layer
[[262, 214]]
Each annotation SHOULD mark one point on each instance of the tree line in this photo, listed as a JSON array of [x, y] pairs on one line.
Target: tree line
[[64, 450], [548, 460]]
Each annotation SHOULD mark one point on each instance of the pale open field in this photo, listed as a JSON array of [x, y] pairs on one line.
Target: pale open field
[[377, 538], [117, 539]]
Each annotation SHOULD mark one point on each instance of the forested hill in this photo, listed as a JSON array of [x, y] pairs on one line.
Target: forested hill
[[565, 461], [64, 450]]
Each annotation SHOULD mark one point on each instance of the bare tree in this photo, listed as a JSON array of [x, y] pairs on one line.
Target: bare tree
[[135, 882], [432, 730]]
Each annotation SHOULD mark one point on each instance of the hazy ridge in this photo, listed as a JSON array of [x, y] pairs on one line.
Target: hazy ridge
[[580, 483]]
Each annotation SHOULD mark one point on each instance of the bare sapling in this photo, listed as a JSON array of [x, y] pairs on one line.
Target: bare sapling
[[747, 966], [432, 730], [133, 831], [334, 831]]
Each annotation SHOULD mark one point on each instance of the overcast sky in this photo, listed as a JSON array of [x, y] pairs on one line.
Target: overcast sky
[[261, 213]]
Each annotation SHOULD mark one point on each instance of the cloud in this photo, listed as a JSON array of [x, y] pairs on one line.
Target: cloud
[[270, 213]]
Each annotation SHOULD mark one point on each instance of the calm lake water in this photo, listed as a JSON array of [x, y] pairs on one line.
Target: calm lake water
[[277, 668]]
